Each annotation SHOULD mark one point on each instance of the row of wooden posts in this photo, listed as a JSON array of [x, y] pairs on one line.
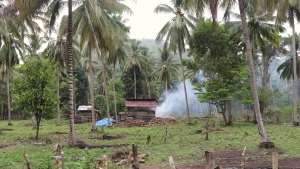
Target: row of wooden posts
[[102, 162], [210, 160]]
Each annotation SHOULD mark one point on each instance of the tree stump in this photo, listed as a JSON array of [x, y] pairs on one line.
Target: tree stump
[[268, 144], [210, 161]]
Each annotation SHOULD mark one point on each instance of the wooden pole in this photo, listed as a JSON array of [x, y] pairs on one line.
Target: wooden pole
[[135, 164], [275, 160], [171, 161], [105, 161], [166, 133], [62, 160], [243, 159], [27, 160], [210, 161], [128, 160]]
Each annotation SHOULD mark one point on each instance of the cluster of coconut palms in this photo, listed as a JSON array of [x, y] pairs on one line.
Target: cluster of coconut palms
[[96, 28]]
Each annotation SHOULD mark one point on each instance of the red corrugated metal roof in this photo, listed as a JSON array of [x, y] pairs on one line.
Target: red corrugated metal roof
[[141, 103]]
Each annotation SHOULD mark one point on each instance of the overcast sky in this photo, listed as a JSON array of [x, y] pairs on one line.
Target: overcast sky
[[145, 23]]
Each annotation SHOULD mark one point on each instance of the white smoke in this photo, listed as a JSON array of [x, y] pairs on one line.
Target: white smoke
[[174, 102]]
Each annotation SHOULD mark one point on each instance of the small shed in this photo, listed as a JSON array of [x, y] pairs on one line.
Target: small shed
[[85, 111], [143, 109]]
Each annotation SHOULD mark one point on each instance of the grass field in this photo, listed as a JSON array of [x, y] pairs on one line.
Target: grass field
[[182, 142]]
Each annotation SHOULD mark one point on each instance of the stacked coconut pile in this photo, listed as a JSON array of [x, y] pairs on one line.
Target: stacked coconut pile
[[153, 122], [132, 123], [162, 121]]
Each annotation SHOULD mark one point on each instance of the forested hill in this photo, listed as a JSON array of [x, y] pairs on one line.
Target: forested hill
[[153, 47]]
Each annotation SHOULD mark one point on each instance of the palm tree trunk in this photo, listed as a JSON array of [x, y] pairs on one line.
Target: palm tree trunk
[[72, 136], [134, 83], [8, 98], [149, 90], [105, 89], [114, 89], [252, 72], [92, 89], [58, 107], [185, 93], [166, 83], [295, 90], [2, 110]]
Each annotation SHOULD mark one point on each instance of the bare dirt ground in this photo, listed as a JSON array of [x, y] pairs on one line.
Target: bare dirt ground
[[231, 159]]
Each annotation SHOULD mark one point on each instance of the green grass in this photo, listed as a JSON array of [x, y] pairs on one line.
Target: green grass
[[182, 142]]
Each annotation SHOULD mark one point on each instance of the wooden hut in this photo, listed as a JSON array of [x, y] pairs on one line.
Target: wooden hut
[[143, 109], [85, 112]]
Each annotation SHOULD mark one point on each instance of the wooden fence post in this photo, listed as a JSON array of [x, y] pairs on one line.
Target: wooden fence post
[[275, 160], [171, 161], [105, 159], [135, 164], [243, 159], [128, 160], [210, 161], [62, 160]]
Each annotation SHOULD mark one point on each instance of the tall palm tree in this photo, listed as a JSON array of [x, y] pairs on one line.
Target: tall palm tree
[[96, 27], [242, 7], [288, 11], [116, 56], [136, 59], [166, 68], [9, 53], [55, 50], [72, 135], [177, 34]]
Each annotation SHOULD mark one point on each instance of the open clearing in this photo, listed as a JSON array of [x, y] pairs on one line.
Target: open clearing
[[183, 142]]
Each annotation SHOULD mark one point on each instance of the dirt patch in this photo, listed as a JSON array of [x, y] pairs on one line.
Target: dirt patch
[[6, 129], [83, 145], [57, 132], [231, 159], [107, 137], [7, 146]]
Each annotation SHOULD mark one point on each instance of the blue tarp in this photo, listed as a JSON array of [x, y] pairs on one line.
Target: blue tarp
[[104, 122]]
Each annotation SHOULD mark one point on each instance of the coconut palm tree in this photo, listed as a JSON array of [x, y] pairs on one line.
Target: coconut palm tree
[[286, 69], [242, 7], [228, 4], [96, 27], [118, 55], [288, 11], [166, 68], [136, 59], [9, 53], [177, 33]]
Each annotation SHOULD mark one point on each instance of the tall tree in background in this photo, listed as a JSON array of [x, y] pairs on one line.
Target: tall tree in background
[[116, 56], [136, 60], [176, 33], [9, 53], [265, 140], [72, 135], [289, 10], [166, 68]]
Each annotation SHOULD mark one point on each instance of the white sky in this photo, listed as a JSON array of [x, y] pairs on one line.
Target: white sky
[[145, 23]]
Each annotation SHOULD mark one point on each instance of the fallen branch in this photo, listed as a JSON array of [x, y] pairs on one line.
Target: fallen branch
[[141, 158], [27, 160]]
